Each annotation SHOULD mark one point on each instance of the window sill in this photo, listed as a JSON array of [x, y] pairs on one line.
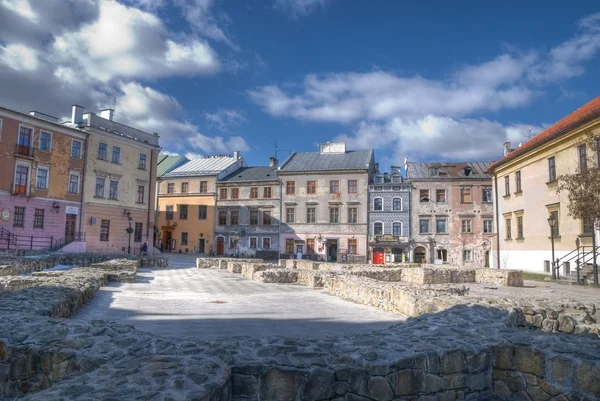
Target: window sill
[[442, 234], [518, 192], [140, 203], [558, 237], [41, 189], [466, 203], [467, 232], [487, 202], [585, 235], [104, 160], [506, 196], [44, 151], [113, 199], [115, 162], [520, 239], [99, 197], [508, 239], [552, 182], [18, 226], [73, 193], [139, 168]]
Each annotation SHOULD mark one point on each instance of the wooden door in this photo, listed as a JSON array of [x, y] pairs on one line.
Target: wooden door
[[21, 180], [201, 245], [70, 228], [220, 246]]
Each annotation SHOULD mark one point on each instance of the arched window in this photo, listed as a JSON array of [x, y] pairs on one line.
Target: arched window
[[378, 204], [397, 228], [397, 204], [378, 228]]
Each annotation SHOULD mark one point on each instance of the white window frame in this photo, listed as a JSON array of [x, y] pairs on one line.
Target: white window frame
[[469, 224], [40, 141], [287, 215], [401, 228], [30, 169], [42, 167], [401, 204], [491, 222], [382, 204], [103, 190], [145, 161], [118, 188], [73, 140], [382, 227], [78, 175], [137, 192], [113, 152], [98, 152], [262, 242], [428, 226], [468, 252], [250, 242]]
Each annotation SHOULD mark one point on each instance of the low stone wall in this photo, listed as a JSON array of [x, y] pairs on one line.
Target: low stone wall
[[248, 269], [511, 278], [570, 318], [221, 263]]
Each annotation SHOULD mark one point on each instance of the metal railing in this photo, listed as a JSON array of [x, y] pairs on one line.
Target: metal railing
[[24, 150], [9, 240]]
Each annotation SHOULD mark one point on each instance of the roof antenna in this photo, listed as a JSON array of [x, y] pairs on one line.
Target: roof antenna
[[114, 103]]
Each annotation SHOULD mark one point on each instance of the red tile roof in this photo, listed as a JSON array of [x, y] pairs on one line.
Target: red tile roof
[[583, 114]]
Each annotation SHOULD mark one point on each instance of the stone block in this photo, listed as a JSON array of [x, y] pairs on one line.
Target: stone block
[[478, 362], [432, 384], [408, 382], [243, 386], [537, 394], [561, 369], [587, 377], [455, 381], [479, 381], [530, 360], [320, 385], [504, 357], [357, 381], [566, 324], [378, 388], [281, 384], [453, 362], [515, 381]]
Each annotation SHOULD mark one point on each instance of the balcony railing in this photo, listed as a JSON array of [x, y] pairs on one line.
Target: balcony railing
[[24, 150]]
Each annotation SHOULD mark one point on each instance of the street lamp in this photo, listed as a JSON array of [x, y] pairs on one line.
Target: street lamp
[[577, 244], [552, 222], [129, 230], [485, 246]]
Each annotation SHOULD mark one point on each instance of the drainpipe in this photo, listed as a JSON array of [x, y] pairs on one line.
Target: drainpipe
[[150, 203], [280, 217], [85, 150], [497, 220]]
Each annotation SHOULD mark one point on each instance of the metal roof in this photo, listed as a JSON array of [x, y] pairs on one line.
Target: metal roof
[[209, 165], [248, 174], [441, 170], [316, 161], [167, 163]]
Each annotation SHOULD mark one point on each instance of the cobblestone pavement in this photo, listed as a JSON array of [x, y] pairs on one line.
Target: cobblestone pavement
[[190, 303]]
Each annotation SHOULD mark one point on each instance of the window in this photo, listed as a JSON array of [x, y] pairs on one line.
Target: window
[[76, 149], [232, 242], [169, 212], [170, 188], [116, 154], [235, 193], [440, 226], [100, 184], [222, 218], [440, 195], [556, 229], [378, 204], [202, 211], [266, 243], [289, 245], [104, 230], [311, 187], [396, 179], [253, 192], [41, 181], [113, 190], [352, 215], [506, 186], [290, 187], [488, 226], [311, 214], [142, 162], [397, 204], [423, 226], [334, 215], [234, 218], [520, 227], [508, 228], [24, 142], [102, 150], [19, 218], [290, 215], [267, 192], [310, 245], [378, 179], [73, 183], [424, 195], [486, 194], [467, 255], [223, 193], [582, 153], [141, 193], [184, 238], [465, 195], [378, 228], [588, 226], [466, 226], [253, 242], [352, 186], [352, 246], [334, 186], [266, 218], [21, 180], [45, 141], [137, 232], [518, 181], [184, 187], [203, 187], [254, 217], [397, 228], [183, 212], [38, 218], [551, 169]]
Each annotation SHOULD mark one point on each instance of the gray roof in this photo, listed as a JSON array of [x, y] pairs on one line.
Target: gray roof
[[248, 174], [209, 165], [167, 163], [316, 161], [415, 170]]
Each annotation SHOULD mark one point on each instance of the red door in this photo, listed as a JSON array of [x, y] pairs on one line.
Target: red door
[[220, 246], [377, 258], [21, 180]]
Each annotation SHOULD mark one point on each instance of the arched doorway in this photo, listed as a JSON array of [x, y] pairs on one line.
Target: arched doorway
[[419, 255]]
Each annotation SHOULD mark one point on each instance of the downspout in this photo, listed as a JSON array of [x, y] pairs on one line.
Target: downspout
[[83, 182], [368, 257], [150, 203], [497, 220], [280, 217]]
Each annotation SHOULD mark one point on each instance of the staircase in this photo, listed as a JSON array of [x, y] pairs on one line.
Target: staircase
[[582, 257], [7, 238]]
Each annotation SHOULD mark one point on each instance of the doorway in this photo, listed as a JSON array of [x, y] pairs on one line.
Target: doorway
[[166, 242], [419, 254], [220, 246], [201, 245], [70, 228], [332, 250], [442, 254], [486, 259]]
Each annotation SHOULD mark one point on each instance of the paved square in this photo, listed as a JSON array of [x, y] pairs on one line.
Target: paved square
[[191, 303]]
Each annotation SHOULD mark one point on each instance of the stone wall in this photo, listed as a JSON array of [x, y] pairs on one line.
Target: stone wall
[[221, 263], [248, 269]]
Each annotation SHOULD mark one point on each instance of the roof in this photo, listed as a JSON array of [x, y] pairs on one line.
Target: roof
[[316, 161], [415, 170], [209, 165], [248, 174], [167, 163], [585, 113]]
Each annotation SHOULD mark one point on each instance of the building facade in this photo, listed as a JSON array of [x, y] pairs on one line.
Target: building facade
[[248, 213], [186, 204], [526, 179], [389, 217], [452, 213], [42, 165], [324, 213]]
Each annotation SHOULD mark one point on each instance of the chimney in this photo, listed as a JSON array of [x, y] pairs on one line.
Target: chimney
[[506, 148], [107, 114], [273, 162], [77, 114], [395, 169], [236, 155]]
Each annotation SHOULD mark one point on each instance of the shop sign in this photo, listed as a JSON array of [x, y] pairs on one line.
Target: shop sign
[[390, 238], [72, 210]]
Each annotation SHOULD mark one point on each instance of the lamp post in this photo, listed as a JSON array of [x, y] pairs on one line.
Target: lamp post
[[485, 246], [552, 222], [129, 230], [577, 244]]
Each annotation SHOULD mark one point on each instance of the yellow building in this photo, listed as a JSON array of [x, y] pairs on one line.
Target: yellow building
[[186, 203], [525, 182]]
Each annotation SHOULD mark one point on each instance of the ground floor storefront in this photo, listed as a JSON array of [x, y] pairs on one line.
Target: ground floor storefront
[[243, 244], [342, 248]]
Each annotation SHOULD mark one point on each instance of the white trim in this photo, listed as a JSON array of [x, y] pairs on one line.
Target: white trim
[[382, 227], [78, 175], [401, 204], [40, 141], [29, 166], [110, 180], [145, 161], [31, 137], [42, 167], [382, 204], [249, 241], [73, 140], [101, 177], [401, 228]]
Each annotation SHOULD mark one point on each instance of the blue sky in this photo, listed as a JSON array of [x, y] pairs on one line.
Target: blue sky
[[428, 80]]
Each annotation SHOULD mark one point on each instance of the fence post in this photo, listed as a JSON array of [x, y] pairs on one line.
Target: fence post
[[51, 241], [31, 243]]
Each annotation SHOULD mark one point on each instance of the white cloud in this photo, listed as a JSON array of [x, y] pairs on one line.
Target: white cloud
[[299, 8], [19, 57], [218, 144], [223, 119], [21, 7]]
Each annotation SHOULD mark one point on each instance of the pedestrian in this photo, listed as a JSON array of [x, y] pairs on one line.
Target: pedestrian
[[145, 248]]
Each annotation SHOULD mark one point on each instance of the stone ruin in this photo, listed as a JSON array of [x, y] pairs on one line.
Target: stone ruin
[[465, 350]]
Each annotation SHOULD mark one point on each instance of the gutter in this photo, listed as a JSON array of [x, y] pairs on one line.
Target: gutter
[[497, 220]]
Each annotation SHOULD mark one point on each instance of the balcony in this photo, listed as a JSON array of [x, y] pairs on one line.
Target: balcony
[[24, 151]]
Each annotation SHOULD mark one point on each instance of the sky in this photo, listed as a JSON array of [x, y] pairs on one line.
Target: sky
[[426, 80]]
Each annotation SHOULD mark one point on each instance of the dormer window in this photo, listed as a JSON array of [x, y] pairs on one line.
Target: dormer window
[[467, 171], [378, 179], [434, 171]]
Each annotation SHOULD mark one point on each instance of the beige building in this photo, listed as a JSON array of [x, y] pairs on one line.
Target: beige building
[[525, 182]]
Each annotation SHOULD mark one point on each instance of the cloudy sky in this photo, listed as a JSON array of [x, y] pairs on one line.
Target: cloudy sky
[[427, 80]]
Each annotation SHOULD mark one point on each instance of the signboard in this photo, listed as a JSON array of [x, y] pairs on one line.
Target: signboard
[[72, 210], [5, 214], [390, 238]]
